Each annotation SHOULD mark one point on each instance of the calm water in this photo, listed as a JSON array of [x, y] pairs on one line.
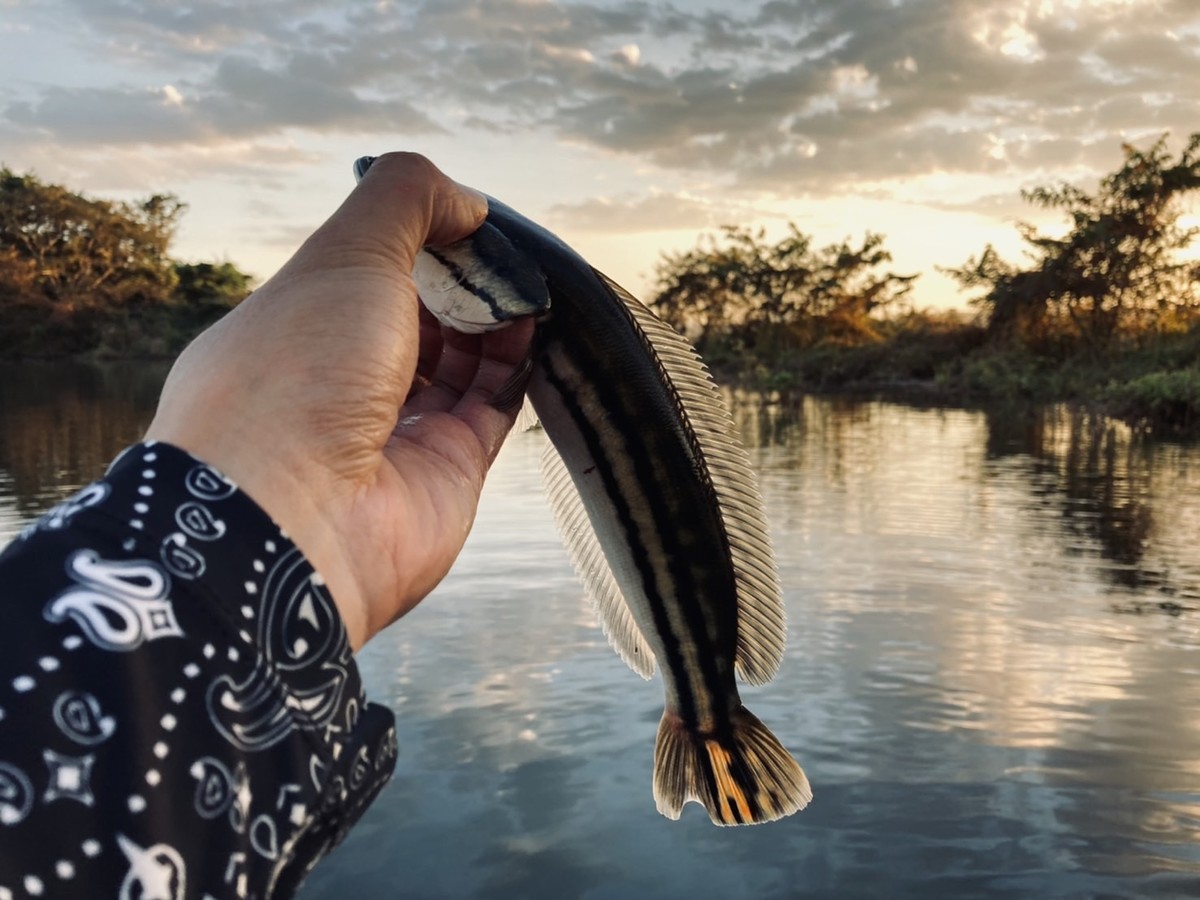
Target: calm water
[[991, 679]]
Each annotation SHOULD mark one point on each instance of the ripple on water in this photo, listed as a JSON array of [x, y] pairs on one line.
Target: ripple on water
[[991, 678]]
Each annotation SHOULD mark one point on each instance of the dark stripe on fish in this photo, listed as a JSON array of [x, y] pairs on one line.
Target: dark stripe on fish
[[468, 285], [672, 518], [671, 642]]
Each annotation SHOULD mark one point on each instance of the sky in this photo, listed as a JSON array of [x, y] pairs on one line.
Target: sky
[[628, 127]]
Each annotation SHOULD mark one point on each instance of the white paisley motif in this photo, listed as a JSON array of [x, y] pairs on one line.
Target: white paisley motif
[[214, 788], [197, 521], [301, 636], [206, 483], [360, 769], [16, 794], [181, 560], [263, 837], [78, 716], [155, 873], [387, 750], [119, 604]]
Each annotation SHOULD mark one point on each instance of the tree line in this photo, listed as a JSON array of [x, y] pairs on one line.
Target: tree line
[[1107, 313], [1114, 275], [82, 275], [1110, 309]]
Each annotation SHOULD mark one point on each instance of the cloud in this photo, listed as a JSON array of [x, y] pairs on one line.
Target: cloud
[[789, 96], [101, 116], [653, 212], [263, 165], [241, 100]]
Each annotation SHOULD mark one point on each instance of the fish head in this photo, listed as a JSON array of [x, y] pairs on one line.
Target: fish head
[[483, 282]]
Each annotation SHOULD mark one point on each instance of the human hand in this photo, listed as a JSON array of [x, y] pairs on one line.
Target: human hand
[[342, 407]]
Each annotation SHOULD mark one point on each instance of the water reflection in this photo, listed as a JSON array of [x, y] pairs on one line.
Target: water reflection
[[975, 716], [1121, 498], [1131, 499], [60, 426], [1096, 474]]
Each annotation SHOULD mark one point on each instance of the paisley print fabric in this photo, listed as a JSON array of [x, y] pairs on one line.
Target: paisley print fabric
[[180, 715]]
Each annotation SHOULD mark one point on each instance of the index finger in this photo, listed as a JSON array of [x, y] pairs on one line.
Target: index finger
[[401, 204]]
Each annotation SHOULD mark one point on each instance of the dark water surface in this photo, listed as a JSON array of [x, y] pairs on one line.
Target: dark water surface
[[991, 677]]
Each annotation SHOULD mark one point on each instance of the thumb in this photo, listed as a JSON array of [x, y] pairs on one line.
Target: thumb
[[401, 204]]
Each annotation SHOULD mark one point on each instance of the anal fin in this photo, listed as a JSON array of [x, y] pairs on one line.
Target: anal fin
[[593, 568]]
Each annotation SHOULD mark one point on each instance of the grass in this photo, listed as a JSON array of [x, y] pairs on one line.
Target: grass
[[1161, 401], [1151, 382]]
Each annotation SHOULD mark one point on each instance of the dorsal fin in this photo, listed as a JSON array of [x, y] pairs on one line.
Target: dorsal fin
[[583, 547], [762, 630]]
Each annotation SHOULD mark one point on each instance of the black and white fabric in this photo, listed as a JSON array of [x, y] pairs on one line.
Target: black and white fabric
[[180, 713]]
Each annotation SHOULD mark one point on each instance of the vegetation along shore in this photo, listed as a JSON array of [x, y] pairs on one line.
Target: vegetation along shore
[[84, 277], [1107, 313]]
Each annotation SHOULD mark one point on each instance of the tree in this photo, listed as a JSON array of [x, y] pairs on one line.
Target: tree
[[221, 283], [1115, 271], [766, 297], [73, 252], [80, 275]]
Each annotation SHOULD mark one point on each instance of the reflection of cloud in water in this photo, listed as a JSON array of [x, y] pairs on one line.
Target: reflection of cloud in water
[[971, 713], [974, 717], [931, 587]]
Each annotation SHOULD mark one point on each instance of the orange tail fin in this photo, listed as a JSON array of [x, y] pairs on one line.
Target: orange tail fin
[[743, 779]]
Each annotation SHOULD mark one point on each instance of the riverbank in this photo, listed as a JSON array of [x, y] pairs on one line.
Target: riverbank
[[34, 331], [1153, 383]]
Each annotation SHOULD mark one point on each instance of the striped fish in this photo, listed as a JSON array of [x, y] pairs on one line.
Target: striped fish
[[655, 499]]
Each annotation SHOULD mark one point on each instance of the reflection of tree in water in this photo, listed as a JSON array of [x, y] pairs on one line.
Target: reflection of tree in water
[[61, 424], [1113, 493], [765, 419], [1099, 476], [795, 430]]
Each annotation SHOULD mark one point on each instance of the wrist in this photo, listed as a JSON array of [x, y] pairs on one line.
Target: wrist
[[287, 495]]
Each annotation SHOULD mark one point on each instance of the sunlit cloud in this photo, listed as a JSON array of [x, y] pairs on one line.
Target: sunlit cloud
[[777, 101], [786, 90], [656, 211]]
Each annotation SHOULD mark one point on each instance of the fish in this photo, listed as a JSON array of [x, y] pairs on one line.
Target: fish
[[655, 499]]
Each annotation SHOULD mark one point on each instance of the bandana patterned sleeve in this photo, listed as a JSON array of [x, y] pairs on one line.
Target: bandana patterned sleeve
[[180, 714]]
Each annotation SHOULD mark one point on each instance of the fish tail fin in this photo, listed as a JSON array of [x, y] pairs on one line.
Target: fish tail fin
[[743, 778]]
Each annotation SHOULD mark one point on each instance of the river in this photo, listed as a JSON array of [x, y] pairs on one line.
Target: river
[[991, 677]]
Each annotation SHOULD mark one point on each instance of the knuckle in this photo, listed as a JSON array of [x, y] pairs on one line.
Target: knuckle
[[409, 162]]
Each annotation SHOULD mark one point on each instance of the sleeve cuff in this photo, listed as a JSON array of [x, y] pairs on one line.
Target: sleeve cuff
[[242, 667]]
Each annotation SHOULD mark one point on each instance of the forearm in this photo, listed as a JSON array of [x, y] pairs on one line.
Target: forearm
[[178, 700]]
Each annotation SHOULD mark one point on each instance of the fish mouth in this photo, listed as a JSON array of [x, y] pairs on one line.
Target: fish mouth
[[361, 165], [480, 283]]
